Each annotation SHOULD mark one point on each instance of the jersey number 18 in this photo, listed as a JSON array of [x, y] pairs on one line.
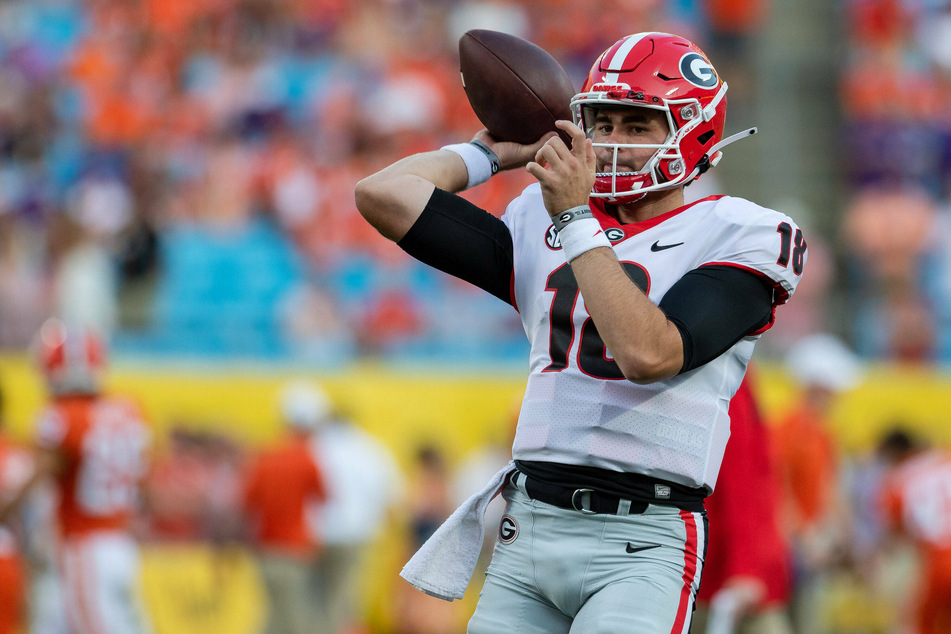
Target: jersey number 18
[[593, 356]]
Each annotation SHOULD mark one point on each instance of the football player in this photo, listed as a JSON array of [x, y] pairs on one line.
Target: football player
[[642, 313], [94, 447]]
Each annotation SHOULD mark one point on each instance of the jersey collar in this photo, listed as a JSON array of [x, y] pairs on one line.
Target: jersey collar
[[607, 221]]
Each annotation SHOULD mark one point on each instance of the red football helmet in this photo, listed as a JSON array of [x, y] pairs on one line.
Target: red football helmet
[[72, 359], [667, 73]]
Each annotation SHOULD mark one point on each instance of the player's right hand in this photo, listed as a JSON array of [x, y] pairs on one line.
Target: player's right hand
[[566, 174], [511, 154]]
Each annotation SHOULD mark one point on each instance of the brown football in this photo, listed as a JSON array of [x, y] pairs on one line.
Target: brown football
[[517, 89]]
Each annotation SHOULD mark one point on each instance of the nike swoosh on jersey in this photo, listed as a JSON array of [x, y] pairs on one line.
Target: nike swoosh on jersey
[[632, 549], [660, 247]]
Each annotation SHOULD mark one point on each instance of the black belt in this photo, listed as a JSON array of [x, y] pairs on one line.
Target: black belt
[[587, 500]]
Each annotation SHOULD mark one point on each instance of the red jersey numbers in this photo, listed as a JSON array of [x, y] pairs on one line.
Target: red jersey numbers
[[593, 358], [792, 247]]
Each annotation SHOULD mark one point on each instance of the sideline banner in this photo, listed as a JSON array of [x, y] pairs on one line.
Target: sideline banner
[[197, 589]]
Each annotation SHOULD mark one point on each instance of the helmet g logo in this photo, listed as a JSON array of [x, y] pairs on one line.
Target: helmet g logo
[[698, 71]]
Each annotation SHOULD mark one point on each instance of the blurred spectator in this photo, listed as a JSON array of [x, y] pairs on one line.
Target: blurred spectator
[[282, 482], [176, 489], [733, 26], [85, 283], [195, 488], [94, 447], [224, 488], [474, 471], [746, 577], [364, 489], [917, 502], [23, 300], [894, 318], [807, 462], [430, 504], [897, 153], [315, 327], [875, 586]]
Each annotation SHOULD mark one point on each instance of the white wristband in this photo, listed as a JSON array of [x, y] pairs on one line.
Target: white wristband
[[582, 235], [479, 164]]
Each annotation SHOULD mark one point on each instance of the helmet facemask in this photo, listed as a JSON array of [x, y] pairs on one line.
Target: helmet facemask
[[667, 167]]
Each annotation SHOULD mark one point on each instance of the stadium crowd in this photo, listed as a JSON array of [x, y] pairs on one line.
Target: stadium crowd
[[192, 168]]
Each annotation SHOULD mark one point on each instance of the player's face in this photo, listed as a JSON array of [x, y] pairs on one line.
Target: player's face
[[624, 125]]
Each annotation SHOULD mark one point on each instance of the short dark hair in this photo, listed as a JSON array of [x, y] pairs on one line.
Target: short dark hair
[[897, 443]]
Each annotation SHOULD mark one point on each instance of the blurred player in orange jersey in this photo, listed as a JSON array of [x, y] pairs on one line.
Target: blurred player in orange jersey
[[16, 464], [95, 449], [282, 483], [917, 504]]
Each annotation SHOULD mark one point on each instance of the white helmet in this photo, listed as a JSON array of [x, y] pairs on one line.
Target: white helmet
[[305, 406], [822, 360]]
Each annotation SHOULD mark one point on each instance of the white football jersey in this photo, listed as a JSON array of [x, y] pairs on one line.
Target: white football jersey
[[578, 408]]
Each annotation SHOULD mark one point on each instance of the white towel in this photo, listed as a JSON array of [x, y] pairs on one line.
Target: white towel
[[444, 565]]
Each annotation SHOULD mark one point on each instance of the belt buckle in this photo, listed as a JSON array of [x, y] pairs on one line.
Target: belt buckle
[[585, 495]]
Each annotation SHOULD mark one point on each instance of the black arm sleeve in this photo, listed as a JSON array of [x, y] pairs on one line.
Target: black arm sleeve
[[467, 242], [714, 307]]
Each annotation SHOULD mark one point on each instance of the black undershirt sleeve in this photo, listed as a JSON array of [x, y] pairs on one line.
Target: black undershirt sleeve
[[716, 306], [713, 306], [467, 242]]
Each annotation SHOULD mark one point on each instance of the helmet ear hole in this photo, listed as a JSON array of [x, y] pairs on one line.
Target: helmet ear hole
[[706, 136]]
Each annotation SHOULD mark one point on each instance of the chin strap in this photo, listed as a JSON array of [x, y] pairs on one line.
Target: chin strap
[[706, 162]]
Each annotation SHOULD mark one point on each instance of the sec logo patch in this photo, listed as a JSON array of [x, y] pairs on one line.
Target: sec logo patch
[[508, 529]]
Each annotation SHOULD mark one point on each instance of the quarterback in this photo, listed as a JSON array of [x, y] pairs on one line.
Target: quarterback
[[642, 313]]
